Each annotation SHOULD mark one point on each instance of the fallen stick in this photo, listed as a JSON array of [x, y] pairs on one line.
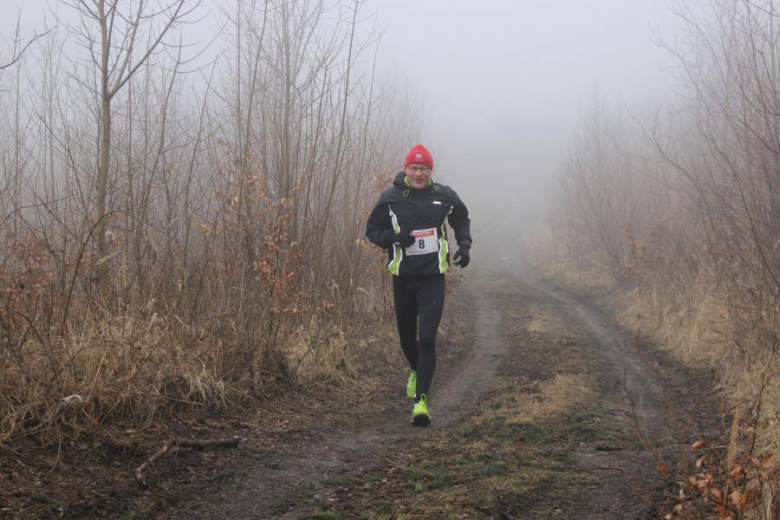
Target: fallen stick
[[173, 444], [595, 468]]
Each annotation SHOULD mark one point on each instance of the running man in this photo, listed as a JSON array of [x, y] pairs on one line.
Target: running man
[[410, 222]]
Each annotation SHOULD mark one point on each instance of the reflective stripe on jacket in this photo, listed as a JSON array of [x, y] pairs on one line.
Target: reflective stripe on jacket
[[423, 213]]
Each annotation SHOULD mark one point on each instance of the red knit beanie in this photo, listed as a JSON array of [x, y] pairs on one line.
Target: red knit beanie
[[419, 155]]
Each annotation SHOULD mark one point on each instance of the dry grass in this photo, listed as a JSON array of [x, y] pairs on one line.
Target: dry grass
[[129, 369], [320, 350], [688, 326], [142, 368], [552, 397], [544, 322], [578, 278]]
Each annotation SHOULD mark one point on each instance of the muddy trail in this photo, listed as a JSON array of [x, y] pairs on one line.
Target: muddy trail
[[535, 406]]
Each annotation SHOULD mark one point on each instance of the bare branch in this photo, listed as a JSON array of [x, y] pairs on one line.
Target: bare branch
[[19, 48]]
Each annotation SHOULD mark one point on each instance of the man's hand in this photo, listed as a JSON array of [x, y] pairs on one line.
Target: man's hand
[[462, 257], [403, 239]]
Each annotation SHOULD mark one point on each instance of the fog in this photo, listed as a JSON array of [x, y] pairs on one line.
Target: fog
[[501, 84], [506, 80]]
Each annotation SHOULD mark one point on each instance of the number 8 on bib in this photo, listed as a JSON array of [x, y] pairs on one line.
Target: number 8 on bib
[[425, 242]]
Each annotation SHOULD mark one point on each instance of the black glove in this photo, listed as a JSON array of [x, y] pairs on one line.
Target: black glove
[[402, 239], [462, 257]]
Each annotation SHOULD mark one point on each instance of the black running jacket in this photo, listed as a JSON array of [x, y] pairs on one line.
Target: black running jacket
[[422, 213]]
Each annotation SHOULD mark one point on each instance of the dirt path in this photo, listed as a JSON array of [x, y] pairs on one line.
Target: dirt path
[[530, 421], [299, 470]]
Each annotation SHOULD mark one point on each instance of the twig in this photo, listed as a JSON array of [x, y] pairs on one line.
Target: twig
[[595, 468], [731, 454], [173, 444]]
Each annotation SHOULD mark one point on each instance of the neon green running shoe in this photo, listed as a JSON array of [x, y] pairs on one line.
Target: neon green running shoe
[[420, 414], [411, 385]]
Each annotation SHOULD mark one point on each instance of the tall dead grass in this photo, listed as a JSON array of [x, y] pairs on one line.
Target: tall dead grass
[[139, 366]]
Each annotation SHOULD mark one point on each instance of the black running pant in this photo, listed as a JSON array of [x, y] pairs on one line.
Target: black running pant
[[419, 303]]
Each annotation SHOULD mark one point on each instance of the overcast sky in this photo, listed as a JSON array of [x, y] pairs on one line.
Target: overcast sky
[[504, 80], [508, 79]]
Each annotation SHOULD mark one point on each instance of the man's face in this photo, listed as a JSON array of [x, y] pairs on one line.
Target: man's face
[[418, 175]]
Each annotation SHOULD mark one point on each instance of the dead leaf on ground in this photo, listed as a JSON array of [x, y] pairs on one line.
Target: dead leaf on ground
[[768, 461]]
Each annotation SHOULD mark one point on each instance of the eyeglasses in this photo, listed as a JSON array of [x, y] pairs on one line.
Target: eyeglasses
[[419, 168]]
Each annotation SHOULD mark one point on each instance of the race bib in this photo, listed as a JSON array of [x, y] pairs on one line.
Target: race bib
[[425, 242]]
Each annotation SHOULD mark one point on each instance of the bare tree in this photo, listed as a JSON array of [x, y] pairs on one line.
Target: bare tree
[[114, 42], [598, 191]]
